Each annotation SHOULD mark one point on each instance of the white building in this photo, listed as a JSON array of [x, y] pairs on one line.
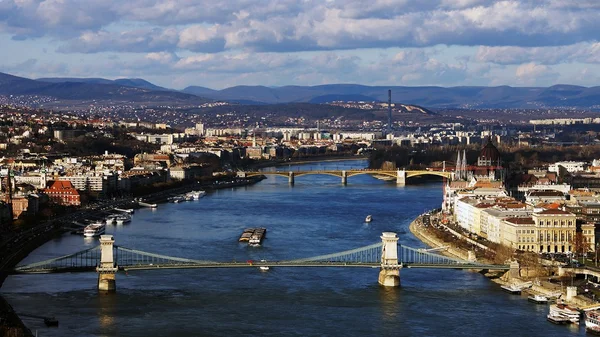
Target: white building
[[570, 166]]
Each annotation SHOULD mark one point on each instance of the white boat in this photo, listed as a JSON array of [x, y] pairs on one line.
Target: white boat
[[123, 218], [557, 319], [95, 229], [592, 321], [564, 310], [511, 288], [263, 268], [369, 218], [540, 299], [195, 195]]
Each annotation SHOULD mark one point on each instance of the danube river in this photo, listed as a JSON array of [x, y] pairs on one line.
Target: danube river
[[316, 216]]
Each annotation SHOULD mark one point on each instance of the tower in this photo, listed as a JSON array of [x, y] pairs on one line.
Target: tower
[[389, 125], [457, 169]]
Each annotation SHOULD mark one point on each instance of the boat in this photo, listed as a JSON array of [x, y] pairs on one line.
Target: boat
[[145, 204], [177, 199], [263, 268], [257, 237], [245, 237], [592, 321], [539, 299], [557, 319], [561, 309], [513, 289], [123, 218], [128, 210], [197, 194], [95, 229], [369, 218]]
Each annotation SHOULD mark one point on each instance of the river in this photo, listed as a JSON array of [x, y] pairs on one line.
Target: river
[[318, 215]]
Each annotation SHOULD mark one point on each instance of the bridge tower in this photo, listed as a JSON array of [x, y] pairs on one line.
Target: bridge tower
[[344, 177], [291, 178], [401, 177], [389, 275], [107, 268]]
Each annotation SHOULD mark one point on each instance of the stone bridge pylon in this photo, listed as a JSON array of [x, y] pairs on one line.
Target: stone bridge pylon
[[389, 275], [107, 268]]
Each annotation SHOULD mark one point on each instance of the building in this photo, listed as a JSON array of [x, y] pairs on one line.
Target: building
[[533, 197], [555, 231], [519, 233], [62, 192], [569, 166]]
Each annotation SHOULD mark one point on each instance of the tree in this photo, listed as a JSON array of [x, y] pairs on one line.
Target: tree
[[580, 244]]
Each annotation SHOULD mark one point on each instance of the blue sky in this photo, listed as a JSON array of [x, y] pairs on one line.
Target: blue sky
[[222, 43]]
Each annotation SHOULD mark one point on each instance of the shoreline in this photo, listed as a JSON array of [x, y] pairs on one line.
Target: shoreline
[[541, 287], [11, 324]]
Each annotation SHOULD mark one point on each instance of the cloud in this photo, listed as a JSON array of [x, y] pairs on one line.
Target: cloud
[[585, 52], [532, 73], [287, 25]]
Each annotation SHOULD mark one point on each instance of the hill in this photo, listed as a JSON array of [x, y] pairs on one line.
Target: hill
[[64, 92], [126, 82], [557, 96]]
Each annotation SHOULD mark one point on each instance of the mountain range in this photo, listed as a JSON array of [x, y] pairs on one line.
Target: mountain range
[[430, 97], [72, 91], [142, 91]]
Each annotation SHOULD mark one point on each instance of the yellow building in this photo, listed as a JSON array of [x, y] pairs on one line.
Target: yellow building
[[556, 230], [519, 233]]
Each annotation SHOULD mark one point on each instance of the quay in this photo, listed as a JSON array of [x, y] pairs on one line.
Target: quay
[[513, 281]]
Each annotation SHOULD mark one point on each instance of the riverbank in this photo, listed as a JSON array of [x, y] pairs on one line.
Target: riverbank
[[539, 285], [23, 244]]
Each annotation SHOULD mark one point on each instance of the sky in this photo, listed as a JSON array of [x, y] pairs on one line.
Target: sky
[[224, 43]]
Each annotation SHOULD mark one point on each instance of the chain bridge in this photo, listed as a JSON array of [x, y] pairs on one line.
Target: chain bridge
[[399, 175], [107, 259]]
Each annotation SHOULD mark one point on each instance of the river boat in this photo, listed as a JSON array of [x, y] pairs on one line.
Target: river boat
[[257, 237], [592, 321], [95, 229], [539, 299], [195, 195], [512, 289], [245, 237], [177, 199], [557, 319], [123, 218], [561, 309], [369, 218], [263, 268], [124, 210], [145, 204]]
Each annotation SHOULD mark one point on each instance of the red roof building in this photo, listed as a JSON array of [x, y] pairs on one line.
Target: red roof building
[[62, 192]]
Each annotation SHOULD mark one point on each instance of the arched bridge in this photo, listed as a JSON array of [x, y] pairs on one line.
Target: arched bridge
[[107, 259], [399, 175]]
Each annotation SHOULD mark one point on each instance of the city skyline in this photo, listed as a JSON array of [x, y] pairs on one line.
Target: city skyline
[[275, 43]]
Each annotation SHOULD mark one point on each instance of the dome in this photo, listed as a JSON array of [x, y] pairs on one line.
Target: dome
[[489, 152]]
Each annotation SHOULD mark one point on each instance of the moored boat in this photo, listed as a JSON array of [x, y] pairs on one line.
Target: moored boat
[[561, 309], [557, 319], [511, 289], [123, 218], [592, 321], [95, 229], [540, 299]]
